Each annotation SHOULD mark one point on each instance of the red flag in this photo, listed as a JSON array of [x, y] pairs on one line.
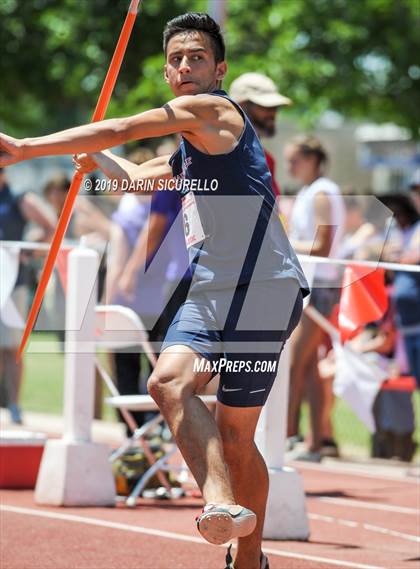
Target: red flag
[[363, 299]]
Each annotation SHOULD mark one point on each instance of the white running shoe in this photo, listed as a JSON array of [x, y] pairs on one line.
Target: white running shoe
[[219, 523]]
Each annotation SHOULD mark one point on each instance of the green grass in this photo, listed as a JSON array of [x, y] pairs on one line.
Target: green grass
[[42, 389], [43, 393], [350, 433], [43, 384]]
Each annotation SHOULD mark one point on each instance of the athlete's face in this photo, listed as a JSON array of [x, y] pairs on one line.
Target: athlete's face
[[190, 65]]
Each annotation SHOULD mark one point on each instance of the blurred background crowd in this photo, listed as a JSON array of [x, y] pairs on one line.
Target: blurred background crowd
[[331, 89]]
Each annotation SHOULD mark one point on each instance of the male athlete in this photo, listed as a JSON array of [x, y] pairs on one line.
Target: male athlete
[[247, 289]]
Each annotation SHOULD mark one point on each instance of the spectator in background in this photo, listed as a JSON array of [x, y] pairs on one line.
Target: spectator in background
[[146, 292], [88, 219], [393, 409], [358, 232], [259, 97], [165, 217], [16, 212], [146, 297], [137, 237], [415, 188], [55, 193], [93, 224], [317, 224], [403, 246], [360, 240], [365, 228]]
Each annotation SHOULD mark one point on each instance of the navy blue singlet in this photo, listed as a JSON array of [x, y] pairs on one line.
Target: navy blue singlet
[[243, 236]]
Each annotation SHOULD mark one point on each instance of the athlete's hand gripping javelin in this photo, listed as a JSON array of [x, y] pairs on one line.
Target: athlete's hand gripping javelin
[[85, 163]]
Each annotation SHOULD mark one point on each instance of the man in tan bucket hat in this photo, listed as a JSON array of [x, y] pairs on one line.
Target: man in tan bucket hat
[[259, 97]]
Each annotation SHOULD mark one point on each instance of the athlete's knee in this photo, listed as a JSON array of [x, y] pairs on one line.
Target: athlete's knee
[[160, 385], [165, 387]]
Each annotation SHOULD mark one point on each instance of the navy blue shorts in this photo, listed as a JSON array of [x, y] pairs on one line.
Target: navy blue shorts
[[240, 333]]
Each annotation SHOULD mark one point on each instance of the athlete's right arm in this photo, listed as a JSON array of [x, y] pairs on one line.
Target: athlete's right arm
[[173, 117], [210, 121]]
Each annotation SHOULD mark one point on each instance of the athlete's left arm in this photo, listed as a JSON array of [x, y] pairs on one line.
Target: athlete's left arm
[[189, 114]]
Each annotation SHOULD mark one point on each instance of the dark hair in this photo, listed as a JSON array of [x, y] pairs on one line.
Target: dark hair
[[59, 181], [310, 146], [196, 22], [401, 202]]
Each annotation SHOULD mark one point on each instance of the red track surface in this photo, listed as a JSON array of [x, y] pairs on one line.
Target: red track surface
[[356, 521]]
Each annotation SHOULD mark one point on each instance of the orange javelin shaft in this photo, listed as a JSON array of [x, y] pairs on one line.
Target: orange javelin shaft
[[101, 107]]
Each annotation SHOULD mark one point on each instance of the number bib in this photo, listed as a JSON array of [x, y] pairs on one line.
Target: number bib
[[193, 228]]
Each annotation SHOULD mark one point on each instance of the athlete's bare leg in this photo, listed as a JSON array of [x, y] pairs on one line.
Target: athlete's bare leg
[[248, 473], [173, 385]]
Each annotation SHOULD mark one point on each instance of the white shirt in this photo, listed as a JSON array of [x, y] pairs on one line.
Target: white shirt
[[303, 225]]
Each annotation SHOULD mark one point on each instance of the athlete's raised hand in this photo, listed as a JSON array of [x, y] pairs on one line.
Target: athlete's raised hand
[[84, 163], [10, 150]]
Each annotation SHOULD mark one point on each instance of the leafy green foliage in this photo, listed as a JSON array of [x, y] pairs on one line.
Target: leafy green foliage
[[356, 57]]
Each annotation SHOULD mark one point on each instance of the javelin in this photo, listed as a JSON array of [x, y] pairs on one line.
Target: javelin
[[98, 115]]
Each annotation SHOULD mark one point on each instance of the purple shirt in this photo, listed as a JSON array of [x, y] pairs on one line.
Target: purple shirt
[[149, 298], [168, 203]]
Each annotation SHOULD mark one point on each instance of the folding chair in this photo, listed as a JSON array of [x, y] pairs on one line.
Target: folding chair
[[120, 327], [129, 403]]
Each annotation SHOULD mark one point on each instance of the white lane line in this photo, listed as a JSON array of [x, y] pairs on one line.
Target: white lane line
[[321, 559], [348, 523], [369, 527], [392, 532], [341, 469], [331, 520], [172, 535], [102, 523], [368, 505]]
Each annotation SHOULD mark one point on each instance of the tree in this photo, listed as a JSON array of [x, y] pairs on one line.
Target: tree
[[356, 57], [56, 53]]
